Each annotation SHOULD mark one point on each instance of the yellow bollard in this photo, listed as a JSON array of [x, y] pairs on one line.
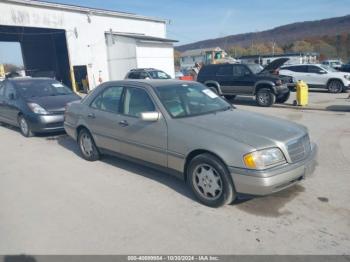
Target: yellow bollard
[[302, 93]]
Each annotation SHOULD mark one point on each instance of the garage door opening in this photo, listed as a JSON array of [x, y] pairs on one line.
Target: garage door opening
[[44, 51]]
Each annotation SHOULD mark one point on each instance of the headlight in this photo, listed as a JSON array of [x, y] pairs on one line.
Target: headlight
[[347, 77], [37, 109], [263, 159]]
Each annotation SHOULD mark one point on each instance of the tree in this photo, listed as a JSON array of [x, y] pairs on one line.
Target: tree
[[302, 46]]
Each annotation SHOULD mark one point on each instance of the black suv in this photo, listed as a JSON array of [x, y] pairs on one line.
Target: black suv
[[230, 80], [146, 73]]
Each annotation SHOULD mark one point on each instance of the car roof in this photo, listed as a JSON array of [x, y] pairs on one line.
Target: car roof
[[29, 79], [155, 83], [144, 69], [303, 65]]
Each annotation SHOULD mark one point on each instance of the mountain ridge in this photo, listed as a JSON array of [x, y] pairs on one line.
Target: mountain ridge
[[281, 35]]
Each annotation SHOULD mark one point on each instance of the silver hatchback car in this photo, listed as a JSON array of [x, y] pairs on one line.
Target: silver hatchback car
[[187, 130]]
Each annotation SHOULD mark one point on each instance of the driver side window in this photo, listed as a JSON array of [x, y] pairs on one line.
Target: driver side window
[[240, 71]]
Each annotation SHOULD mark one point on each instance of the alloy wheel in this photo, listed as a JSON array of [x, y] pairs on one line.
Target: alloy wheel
[[86, 145], [207, 182]]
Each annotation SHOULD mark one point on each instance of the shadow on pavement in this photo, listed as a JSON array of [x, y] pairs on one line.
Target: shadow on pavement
[[269, 206], [166, 179]]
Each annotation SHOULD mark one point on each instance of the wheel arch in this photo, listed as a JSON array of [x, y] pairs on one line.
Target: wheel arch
[[215, 85], [334, 79], [79, 128], [198, 152], [264, 84]]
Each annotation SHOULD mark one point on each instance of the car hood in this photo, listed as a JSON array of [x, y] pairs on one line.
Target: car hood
[[257, 130], [274, 65], [54, 103]]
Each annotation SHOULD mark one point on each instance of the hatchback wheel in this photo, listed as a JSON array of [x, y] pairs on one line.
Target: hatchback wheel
[[24, 127], [265, 97], [335, 86], [87, 146], [210, 181]]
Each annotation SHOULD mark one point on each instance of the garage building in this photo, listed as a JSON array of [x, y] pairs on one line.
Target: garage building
[[83, 46]]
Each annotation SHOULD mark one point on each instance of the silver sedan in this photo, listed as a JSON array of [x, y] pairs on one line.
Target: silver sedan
[[187, 130]]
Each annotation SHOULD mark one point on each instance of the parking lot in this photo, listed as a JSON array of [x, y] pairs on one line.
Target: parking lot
[[54, 202]]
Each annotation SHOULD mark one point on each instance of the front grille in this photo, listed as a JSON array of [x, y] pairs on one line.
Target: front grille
[[55, 125], [299, 149]]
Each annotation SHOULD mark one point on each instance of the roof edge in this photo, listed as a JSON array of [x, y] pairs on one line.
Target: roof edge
[[83, 9]]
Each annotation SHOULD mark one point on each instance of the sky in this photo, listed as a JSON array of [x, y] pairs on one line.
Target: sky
[[195, 20]]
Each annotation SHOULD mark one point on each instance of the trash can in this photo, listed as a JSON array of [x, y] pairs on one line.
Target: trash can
[[302, 93]]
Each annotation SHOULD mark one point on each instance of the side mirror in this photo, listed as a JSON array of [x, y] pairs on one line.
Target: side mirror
[[322, 72], [12, 96], [150, 116]]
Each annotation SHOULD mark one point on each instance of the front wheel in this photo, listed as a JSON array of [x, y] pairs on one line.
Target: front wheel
[[265, 97], [335, 86], [283, 98], [24, 127], [210, 181], [87, 146]]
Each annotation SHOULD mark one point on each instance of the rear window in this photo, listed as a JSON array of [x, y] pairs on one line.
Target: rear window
[[297, 68], [208, 70]]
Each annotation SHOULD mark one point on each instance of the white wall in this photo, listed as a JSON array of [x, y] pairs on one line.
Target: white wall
[[156, 55], [121, 56], [88, 46]]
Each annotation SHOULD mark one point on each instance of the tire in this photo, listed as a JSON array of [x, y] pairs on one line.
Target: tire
[[335, 86], [24, 127], [87, 146], [265, 97], [230, 97], [283, 98], [203, 184]]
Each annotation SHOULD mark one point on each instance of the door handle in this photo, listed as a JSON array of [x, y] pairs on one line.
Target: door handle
[[91, 115], [123, 123]]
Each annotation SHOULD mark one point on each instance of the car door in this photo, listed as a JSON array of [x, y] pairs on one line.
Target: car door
[[300, 72], [10, 104], [224, 76], [140, 139], [317, 76], [103, 117], [243, 80]]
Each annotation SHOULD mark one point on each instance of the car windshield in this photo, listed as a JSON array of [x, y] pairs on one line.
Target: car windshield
[[41, 88], [186, 100], [328, 68], [255, 68], [159, 75]]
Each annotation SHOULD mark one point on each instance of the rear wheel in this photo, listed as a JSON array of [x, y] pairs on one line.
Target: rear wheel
[[265, 97], [335, 86], [24, 127], [210, 181], [87, 146], [283, 98]]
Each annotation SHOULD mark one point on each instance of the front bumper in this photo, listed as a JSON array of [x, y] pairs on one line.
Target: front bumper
[[46, 123], [269, 181]]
